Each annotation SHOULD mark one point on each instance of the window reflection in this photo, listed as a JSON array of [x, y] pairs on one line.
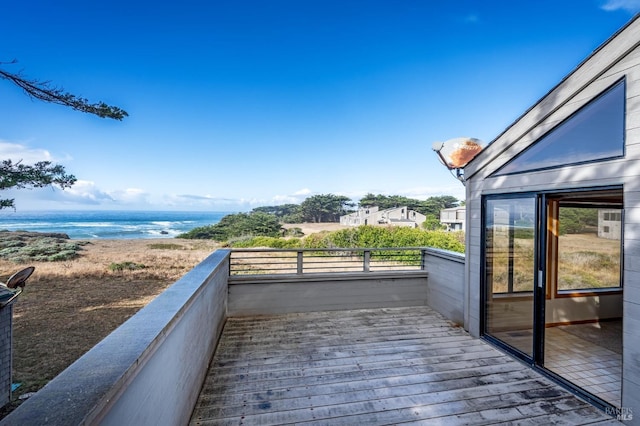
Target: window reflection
[[594, 132], [510, 233]]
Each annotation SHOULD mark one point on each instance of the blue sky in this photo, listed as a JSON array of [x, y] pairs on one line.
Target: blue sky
[[236, 104]]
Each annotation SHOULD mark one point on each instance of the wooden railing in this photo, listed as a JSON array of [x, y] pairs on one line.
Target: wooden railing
[[334, 260]]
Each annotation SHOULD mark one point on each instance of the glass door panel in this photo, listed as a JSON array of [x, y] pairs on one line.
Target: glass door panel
[[583, 334], [510, 271]]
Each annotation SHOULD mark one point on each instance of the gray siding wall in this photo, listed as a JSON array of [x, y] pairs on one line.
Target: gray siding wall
[[619, 57], [445, 286], [149, 371]]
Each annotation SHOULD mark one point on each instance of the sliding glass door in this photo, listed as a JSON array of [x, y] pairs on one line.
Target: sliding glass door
[[553, 284], [510, 270]]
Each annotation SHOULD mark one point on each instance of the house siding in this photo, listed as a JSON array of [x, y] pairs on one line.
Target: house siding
[[618, 58]]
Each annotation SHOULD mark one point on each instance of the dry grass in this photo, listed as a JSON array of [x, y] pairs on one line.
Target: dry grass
[[312, 228], [68, 307], [585, 261]]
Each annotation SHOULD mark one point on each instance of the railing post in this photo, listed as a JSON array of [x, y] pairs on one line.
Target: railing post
[[367, 260], [423, 259], [299, 263]]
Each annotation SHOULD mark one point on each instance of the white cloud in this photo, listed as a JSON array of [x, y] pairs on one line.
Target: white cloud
[[285, 199], [632, 6], [304, 191], [20, 152], [82, 194], [85, 192], [202, 202], [129, 196], [296, 198], [88, 194]]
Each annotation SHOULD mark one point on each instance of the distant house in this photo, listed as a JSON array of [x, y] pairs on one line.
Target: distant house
[[609, 224], [453, 218], [397, 216]]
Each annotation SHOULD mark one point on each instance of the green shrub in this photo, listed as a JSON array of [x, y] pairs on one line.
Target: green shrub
[[294, 232], [376, 236], [362, 237], [125, 266], [318, 240], [269, 242], [237, 225], [20, 246]]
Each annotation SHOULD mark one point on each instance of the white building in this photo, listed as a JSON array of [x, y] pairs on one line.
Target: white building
[[396, 216], [609, 224], [453, 218]]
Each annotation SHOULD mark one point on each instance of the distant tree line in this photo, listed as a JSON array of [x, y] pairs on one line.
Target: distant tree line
[[329, 207], [316, 209], [266, 220], [575, 220], [430, 206]]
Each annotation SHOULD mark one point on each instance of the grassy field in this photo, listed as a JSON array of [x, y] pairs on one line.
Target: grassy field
[[69, 306], [584, 261]]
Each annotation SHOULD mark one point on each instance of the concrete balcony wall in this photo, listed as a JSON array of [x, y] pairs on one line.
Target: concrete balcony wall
[[150, 369], [445, 287], [440, 285], [279, 294]]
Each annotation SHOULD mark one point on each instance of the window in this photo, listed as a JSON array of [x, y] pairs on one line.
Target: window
[[510, 229], [588, 251], [594, 132]]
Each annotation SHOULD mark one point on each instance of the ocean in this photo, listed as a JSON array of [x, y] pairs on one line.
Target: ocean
[[84, 225]]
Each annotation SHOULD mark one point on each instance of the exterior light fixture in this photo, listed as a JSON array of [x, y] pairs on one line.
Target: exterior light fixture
[[457, 153]]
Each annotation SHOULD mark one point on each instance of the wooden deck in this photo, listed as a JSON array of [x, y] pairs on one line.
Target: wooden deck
[[374, 367]]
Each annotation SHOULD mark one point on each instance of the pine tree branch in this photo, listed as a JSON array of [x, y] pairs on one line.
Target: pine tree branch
[[42, 90]]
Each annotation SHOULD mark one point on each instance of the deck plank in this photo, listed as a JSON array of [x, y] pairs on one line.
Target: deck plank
[[373, 366]]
